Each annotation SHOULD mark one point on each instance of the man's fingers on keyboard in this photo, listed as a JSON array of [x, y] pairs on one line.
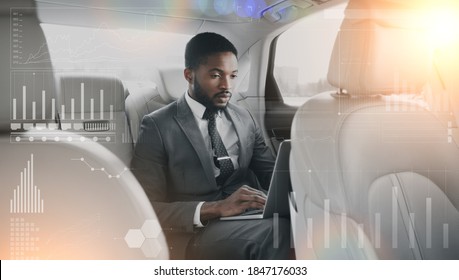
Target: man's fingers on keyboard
[[249, 190], [256, 205], [253, 197]]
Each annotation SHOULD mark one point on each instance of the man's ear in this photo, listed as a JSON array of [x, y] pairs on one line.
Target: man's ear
[[188, 74]]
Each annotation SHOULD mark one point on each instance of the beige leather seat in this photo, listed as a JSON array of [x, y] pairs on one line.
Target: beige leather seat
[[375, 172], [143, 99], [63, 198]]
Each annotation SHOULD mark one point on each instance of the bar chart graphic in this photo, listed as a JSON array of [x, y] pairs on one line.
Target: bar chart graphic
[[85, 105], [89, 106], [32, 96], [322, 226], [27, 197]]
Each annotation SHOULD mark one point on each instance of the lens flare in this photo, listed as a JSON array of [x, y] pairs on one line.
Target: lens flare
[[206, 7], [250, 8], [224, 7], [444, 27]]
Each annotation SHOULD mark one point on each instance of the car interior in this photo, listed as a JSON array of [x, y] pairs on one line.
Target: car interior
[[363, 89]]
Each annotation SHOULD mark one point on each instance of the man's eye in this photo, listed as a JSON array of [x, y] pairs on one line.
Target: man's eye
[[214, 76], [233, 76]]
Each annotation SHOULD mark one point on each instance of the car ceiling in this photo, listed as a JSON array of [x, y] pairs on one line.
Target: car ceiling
[[245, 21]]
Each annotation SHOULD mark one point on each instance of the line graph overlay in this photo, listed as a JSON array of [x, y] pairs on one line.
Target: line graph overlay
[[24, 29], [101, 169]]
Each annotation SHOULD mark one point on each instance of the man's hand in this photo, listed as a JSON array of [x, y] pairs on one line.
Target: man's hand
[[239, 201]]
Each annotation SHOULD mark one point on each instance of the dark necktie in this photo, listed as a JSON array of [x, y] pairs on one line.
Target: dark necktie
[[221, 158]]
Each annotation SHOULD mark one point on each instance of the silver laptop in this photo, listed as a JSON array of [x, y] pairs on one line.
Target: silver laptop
[[279, 187]]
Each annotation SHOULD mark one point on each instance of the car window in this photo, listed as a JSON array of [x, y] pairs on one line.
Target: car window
[[303, 54], [128, 53]]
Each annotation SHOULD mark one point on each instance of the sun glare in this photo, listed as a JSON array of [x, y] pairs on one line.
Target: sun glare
[[444, 27]]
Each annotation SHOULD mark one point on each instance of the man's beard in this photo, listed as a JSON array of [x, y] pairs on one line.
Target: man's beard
[[202, 98]]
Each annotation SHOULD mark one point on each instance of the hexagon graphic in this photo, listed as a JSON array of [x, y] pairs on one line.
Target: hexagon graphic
[[151, 248], [134, 238], [151, 229]]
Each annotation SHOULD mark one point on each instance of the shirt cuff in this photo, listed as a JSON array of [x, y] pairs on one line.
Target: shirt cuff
[[197, 215]]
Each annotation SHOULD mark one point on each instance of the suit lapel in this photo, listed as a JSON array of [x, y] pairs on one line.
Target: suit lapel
[[187, 123]]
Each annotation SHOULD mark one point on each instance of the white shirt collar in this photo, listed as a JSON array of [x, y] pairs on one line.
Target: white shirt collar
[[197, 108]]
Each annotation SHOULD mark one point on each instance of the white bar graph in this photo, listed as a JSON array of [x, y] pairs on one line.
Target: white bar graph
[[26, 196], [429, 222], [30, 100], [27, 189], [43, 105], [327, 223], [101, 104], [14, 109], [53, 108], [20, 191], [35, 201], [13, 202], [34, 110], [82, 100], [310, 236], [92, 109], [394, 217], [62, 112], [111, 112], [24, 102], [408, 223], [445, 236], [72, 108]]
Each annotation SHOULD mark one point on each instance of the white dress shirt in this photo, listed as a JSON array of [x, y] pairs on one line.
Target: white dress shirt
[[229, 137]]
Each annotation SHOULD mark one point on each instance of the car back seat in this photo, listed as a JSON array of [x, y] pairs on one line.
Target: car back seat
[[377, 157], [143, 99]]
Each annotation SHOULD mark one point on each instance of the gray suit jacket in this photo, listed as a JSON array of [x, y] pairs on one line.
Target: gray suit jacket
[[174, 167]]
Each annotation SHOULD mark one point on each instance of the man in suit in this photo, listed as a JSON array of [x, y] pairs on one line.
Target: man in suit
[[201, 158]]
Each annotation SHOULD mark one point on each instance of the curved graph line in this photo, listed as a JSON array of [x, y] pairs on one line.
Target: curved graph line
[[101, 169]]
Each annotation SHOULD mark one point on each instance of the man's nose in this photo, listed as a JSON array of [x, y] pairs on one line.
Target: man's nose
[[226, 83]]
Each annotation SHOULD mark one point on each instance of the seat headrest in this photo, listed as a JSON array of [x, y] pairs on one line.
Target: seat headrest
[[379, 50], [73, 85], [171, 82]]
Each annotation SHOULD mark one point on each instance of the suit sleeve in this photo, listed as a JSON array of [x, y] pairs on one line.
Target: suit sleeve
[[150, 166], [262, 162]]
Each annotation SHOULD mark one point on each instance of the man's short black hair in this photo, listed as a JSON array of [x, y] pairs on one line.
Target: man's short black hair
[[204, 44]]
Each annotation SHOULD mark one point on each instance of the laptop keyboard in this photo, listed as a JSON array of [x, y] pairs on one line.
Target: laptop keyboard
[[252, 211]]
